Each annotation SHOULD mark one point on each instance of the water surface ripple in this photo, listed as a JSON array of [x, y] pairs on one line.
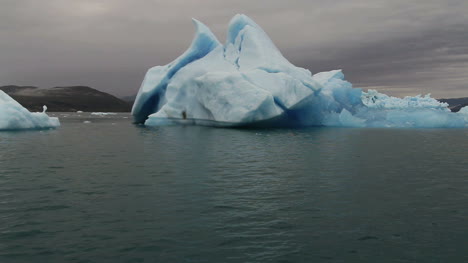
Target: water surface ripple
[[109, 191]]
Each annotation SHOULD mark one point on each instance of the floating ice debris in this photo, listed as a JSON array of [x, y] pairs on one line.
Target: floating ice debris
[[247, 82], [86, 122], [13, 116], [79, 111], [103, 113]]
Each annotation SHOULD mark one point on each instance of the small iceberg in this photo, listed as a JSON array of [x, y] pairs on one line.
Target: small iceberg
[[13, 116], [247, 82]]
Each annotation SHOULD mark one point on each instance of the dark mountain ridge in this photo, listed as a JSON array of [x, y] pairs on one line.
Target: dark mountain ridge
[[456, 104], [66, 99]]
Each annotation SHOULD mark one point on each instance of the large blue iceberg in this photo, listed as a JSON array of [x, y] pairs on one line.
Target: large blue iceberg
[[13, 116], [248, 82]]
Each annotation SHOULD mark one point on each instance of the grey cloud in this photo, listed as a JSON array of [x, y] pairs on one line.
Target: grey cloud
[[400, 47]]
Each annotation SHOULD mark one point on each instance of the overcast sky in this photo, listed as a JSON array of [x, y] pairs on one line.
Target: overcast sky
[[400, 47]]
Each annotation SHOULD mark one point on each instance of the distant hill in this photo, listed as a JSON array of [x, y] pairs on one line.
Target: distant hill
[[66, 99], [455, 104], [129, 99]]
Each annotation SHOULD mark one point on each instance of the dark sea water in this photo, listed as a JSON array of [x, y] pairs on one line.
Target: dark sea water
[[109, 191]]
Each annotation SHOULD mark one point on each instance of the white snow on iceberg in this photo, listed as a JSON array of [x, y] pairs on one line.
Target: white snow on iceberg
[[247, 82], [13, 116]]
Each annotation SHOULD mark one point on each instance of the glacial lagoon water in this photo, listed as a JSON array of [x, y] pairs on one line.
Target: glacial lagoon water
[[110, 191]]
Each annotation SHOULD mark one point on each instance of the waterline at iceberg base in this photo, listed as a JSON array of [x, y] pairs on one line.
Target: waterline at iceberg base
[[13, 116], [247, 82]]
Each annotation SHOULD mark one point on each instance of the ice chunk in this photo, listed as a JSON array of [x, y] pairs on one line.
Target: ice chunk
[[13, 116], [347, 119], [464, 112], [374, 99], [248, 82]]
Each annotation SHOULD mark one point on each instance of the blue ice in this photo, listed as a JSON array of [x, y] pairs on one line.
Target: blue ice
[[248, 82]]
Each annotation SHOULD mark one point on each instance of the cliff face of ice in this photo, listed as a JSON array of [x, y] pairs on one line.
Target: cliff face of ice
[[247, 82], [13, 116]]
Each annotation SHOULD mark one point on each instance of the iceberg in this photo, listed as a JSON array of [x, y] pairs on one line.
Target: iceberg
[[13, 116], [246, 82]]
